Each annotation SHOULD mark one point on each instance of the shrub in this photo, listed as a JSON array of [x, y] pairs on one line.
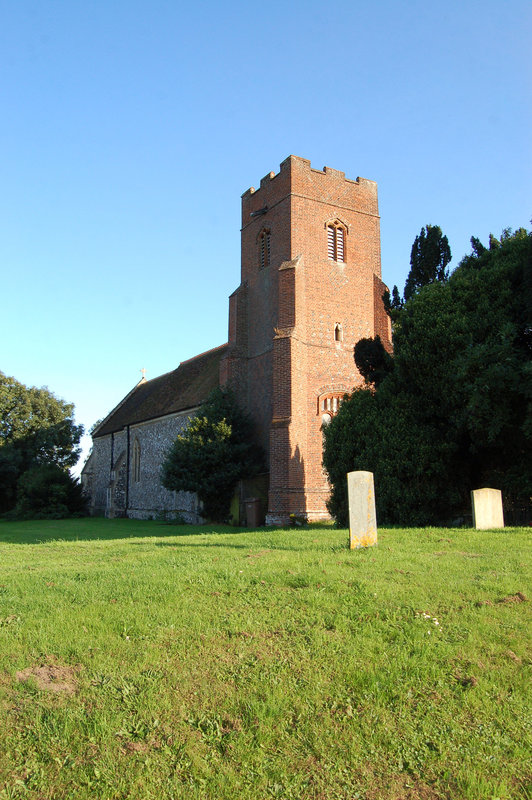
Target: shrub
[[49, 492], [213, 454]]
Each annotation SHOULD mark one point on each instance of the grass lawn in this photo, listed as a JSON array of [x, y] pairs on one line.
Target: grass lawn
[[142, 660]]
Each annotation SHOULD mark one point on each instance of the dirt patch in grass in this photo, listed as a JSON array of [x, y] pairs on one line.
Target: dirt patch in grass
[[137, 747], [51, 676], [518, 597], [259, 554], [510, 654], [404, 787], [467, 681]]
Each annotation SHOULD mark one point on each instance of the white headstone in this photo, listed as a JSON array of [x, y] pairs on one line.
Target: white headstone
[[362, 516], [487, 509]]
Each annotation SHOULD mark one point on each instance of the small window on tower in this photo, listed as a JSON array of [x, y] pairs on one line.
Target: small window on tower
[[338, 332], [264, 249], [336, 242]]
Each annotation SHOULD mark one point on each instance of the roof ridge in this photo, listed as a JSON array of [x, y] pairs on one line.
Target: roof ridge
[[206, 353], [162, 375], [142, 382], [184, 387]]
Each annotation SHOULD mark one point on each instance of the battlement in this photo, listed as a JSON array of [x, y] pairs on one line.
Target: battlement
[[296, 176], [303, 163]]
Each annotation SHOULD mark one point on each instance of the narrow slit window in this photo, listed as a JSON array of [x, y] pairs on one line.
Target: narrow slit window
[[264, 249], [338, 332], [330, 242], [339, 244]]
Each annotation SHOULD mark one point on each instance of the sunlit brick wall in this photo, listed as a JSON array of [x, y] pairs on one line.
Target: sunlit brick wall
[[283, 353]]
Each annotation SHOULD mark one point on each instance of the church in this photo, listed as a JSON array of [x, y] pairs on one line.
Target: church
[[310, 289]]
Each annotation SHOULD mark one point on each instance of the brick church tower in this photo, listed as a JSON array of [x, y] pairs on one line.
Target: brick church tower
[[310, 289]]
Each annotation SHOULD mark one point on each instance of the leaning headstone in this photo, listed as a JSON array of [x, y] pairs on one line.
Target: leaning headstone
[[487, 509], [362, 517]]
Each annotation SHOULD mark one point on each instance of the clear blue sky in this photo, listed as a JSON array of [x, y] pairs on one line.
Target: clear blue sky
[[130, 129]]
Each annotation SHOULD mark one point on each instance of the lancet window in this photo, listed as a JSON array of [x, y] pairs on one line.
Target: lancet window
[[264, 248]]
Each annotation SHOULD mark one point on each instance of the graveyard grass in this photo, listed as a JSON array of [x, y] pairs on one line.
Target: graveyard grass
[[143, 660]]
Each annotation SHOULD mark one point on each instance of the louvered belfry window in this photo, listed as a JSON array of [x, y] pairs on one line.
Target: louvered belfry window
[[339, 244], [264, 249], [331, 242], [328, 407], [336, 242]]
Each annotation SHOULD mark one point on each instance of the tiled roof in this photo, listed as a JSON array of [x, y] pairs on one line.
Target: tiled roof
[[185, 387]]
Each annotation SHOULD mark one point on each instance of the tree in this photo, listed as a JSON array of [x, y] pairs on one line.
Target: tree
[[372, 360], [393, 304], [36, 428], [95, 425], [49, 492], [213, 454], [429, 258], [455, 413]]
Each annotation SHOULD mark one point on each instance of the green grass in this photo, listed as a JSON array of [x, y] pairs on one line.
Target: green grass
[[201, 663]]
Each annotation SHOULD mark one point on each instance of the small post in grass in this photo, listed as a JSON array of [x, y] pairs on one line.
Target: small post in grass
[[362, 516], [487, 509]]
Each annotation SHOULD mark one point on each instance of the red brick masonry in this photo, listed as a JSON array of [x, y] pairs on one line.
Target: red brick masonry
[[283, 358]]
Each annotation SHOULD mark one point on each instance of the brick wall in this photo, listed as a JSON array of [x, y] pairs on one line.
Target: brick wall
[[284, 354]]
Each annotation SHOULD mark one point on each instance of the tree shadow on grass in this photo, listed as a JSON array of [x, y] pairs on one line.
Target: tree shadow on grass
[[101, 529], [274, 539], [273, 546]]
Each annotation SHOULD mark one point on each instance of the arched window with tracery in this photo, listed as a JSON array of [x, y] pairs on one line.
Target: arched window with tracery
[[329, 405], [336, 232]]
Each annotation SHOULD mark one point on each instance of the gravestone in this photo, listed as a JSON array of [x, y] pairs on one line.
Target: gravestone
[[487, 509], [362, 517]]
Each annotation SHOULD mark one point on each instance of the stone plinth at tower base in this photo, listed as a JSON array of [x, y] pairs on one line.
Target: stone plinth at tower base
[[487, 509], [362, 516]]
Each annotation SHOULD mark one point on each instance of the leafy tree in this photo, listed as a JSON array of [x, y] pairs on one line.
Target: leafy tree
[[429, 258], [372, 360], [348, 443], [36, 428], [95, 425], [49, 492], [393, 304], [456, 411], [213, 454]]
